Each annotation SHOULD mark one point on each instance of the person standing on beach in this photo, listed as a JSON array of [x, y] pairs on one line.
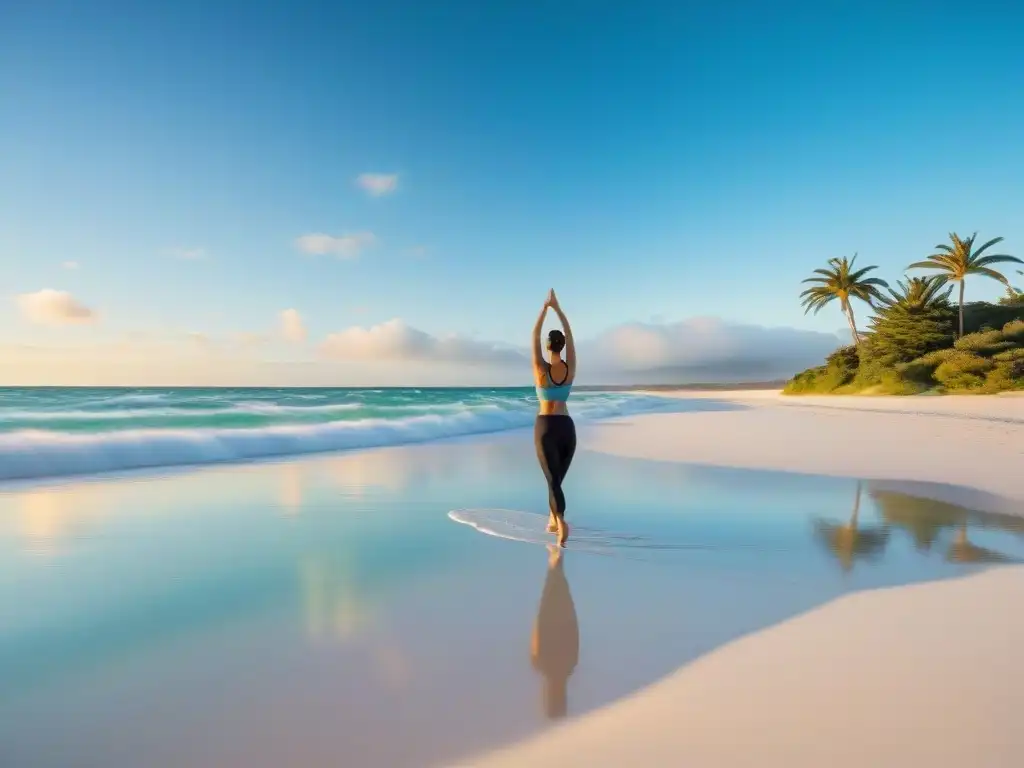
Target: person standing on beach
[[554, 434]]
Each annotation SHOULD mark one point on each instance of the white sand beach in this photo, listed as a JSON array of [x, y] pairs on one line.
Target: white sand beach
[[918, 675]]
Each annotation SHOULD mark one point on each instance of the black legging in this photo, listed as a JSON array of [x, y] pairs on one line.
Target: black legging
[[554, 437]]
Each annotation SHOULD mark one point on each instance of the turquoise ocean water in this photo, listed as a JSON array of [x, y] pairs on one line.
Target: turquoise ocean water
[[51, 432]]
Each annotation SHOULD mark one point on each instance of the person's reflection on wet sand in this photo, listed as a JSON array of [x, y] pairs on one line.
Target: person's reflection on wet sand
[[555, 646]]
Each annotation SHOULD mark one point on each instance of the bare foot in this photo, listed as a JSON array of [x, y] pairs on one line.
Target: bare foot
[[563, 532], [552, 526]]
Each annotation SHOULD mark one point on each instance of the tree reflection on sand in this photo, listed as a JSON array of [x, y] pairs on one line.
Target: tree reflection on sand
[[925, 520], [963, 551], [850, 541]]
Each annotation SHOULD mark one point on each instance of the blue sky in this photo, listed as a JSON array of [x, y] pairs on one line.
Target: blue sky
[[654, 162]]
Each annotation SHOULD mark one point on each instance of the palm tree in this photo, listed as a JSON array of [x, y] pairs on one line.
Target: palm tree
[[841, 281], [917, 293], [955, 262]]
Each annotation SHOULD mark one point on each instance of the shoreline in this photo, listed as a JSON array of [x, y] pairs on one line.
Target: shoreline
[[920, 674], [740, 398]]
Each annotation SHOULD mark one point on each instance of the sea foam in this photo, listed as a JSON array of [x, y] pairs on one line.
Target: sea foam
[[36, 453]]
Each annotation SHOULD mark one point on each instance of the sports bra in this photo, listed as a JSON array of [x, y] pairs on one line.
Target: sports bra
[[556, 392]]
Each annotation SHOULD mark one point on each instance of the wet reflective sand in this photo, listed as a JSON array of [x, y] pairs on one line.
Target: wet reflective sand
[[327, 612]]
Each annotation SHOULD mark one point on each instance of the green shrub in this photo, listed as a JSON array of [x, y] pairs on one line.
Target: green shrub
[[870, 373], [844, 359], [1008, 373], [831, 379], [963, 371], [1010, 355], [839, 369], [894, 382], [918, 372], [1004, 377], [921, 372], [980, 343], [936, 358], [1014, 331], [805, 382]]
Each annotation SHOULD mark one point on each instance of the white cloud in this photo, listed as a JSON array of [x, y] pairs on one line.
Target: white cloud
[[378, 184], [418, 251], [345, 246], [699, 349], [70, 265], [189, 254], [51, 307], [396, 341], [706, 348], [292, 327]]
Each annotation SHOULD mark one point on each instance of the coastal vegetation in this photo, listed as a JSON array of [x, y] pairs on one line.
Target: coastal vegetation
[[917, 339]]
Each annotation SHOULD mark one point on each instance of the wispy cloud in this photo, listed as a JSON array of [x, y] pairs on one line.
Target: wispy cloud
[[189, 254], [292, 327], [417, 251], [52, 307], [70, 264], [395, 340], [346, 246], [378, 184]]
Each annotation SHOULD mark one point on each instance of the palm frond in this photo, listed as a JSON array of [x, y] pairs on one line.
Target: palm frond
[[988, 245], [993, 274], [997, 258], [928, 264], [857, 276]]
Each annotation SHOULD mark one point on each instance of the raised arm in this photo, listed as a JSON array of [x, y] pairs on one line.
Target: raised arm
[[538, 354], [570, 346]]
